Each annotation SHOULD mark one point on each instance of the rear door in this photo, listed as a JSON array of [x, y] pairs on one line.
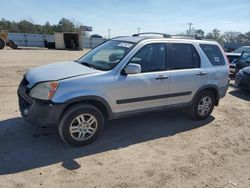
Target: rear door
[[186, 73]]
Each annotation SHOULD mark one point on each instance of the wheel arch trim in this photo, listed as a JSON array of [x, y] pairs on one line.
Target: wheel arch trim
[[208, 87], [93, 98]]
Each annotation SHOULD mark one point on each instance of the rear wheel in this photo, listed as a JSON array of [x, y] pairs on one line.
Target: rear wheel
[[2, 43], [81, 125], [203, 105]]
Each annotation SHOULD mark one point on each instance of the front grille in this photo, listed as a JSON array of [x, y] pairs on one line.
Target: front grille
[[23, 104]]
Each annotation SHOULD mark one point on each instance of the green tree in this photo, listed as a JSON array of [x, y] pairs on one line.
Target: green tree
[[209, 36], [25, 26], [231, 37], [215, 35], [4, 24], [48, 28], [65, 25]]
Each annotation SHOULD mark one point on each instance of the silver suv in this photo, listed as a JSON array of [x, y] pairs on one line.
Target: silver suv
[[122, 77]]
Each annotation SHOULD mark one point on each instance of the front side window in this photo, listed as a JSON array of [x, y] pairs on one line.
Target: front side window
[[107, 55], [151, 57], [183, 56]]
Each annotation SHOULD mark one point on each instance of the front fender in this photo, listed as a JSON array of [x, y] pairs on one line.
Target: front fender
[[81, 96], [63, 96]]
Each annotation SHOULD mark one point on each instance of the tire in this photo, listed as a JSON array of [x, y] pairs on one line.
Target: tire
[[2, 43], [238, 67], [205, 107], [12, 44], [74, 129]]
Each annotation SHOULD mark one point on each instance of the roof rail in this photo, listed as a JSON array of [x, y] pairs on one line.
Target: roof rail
[[152, 33], [118, 37], [197, 37]]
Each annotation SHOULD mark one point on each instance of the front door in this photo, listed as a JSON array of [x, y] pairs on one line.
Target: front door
[[148, 89]]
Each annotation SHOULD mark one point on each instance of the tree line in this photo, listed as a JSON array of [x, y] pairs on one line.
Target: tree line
[[65, 25], [226, 37], [24, 26]]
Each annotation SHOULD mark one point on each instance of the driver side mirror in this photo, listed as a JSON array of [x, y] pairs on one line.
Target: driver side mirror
[[133, 68]]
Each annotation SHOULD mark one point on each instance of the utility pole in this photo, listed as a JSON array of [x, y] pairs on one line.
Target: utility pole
[[190, 27], [109, 33], [139, 29]]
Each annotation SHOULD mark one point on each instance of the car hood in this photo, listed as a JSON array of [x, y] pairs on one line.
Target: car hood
[[57, 71]]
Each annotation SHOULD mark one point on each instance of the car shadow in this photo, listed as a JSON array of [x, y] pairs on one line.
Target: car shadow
[[242, 94], [25, 147]]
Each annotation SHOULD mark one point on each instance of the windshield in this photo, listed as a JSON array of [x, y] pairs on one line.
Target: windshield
[[107, 55], [245, 57], [243, 48]]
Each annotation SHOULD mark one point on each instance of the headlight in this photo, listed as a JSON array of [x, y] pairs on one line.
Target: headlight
[[44, 91]]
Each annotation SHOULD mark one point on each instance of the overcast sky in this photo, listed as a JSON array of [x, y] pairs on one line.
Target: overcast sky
[[123, 17]]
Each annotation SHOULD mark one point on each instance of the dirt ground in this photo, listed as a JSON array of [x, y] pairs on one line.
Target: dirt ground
[[165, 149]]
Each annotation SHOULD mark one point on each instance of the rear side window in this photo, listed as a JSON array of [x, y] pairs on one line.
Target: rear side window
[[183, 56], [214, 54]]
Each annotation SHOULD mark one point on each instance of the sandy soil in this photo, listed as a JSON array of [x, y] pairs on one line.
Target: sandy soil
[[165, 149]]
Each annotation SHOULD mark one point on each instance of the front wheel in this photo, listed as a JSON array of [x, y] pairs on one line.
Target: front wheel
[[81, 125], [203, 105]]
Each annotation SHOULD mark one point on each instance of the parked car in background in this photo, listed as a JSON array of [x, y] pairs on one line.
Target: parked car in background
[[233, 59], [234, 56], [96, 36], [242, 49], [124, 76], [243, 78], [242, 62]]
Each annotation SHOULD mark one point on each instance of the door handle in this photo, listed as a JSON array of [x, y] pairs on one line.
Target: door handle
[[161, 77], [201, 73]]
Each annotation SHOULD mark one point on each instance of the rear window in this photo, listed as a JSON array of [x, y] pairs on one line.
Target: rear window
[[214, 54]]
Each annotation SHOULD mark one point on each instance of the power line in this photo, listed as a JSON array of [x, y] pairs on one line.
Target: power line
[[139, 29], [109, 33], [190, 27]]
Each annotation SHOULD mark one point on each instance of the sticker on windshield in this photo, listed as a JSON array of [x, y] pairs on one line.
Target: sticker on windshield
[[125, 45]]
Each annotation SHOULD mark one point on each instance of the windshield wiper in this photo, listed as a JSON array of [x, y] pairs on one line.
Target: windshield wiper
[[88, 65]]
